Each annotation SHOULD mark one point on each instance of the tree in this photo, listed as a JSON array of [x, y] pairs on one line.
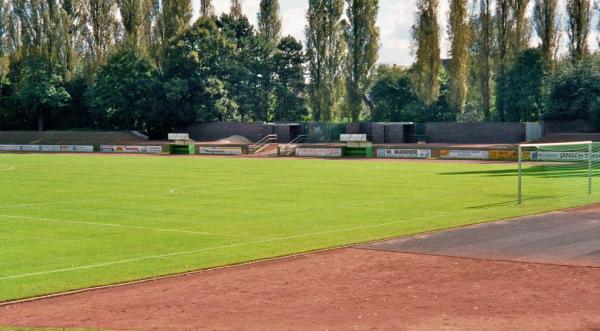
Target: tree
[[269, 21], [574, 89], [459, 63], [4, 19], [394, 97], [173, 18], [72, 21], [236, 8], [196, 73], [39, 87], [362, 40], [289, 82], [127, 93], [100, 29], [206, 8], [523, 88], [546, 22], [326, 53], [579, 18], [505, 25], [485, 55], [522, 31], [135, 15], [426, 47]]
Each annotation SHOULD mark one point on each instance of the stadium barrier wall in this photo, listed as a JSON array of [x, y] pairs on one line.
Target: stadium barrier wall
[[475, 133], [379, 133]]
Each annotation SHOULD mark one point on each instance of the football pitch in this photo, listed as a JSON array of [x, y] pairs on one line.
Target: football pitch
[[75, 221]]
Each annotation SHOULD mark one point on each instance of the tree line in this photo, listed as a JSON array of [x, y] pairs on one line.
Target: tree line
[[146, 65], [493, 74]]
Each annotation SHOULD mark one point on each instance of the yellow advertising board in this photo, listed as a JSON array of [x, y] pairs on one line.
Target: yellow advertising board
[[509, 156]]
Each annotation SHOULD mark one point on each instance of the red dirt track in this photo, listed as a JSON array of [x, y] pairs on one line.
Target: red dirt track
[[345, 289]]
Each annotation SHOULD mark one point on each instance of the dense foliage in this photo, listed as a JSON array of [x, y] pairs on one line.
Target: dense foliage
[[144, 65]]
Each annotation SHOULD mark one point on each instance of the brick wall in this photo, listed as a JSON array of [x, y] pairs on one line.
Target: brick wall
[[475, 133], [558, 127], [219, 130]]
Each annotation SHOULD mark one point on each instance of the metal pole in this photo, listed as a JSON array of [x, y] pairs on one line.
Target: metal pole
[[520, 174], [590, 169]]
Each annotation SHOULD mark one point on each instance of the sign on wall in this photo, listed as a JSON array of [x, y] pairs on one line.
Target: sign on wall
[[179, 136], [508, 155], [464, 154], [353, 137], [563, 156], [220, 150], [319, 152], [47, 148], [396, 153], [130, 149]]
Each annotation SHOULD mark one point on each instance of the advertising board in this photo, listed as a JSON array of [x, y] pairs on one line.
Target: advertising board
[[220, 150], [319, 152], [399, 153], [464, 154], [130, 149]]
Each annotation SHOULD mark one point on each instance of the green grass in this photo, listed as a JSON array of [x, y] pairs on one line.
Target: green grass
[[70, 222]]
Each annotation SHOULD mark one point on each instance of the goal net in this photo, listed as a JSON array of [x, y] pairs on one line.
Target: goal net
[[566, 173]]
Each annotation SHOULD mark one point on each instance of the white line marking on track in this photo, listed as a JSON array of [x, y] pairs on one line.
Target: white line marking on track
[[50, 220]]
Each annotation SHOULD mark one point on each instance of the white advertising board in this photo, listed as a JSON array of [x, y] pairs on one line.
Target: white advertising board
[[130, 149], [563, 156], [47, 148], [319, 152], [179, 136], [465, 154], [353, 137], [210, 150], [399, 153]]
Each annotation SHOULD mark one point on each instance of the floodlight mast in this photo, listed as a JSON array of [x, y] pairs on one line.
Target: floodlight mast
[[590, 164]]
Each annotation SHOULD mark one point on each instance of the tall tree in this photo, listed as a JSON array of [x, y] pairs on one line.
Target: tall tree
[[289, 83], [236, 8], [522, 31], [579, 18], [362, 38], [101, 29], [174, 17], [426, 38], [206, 8], [546, 22], [269, 21], [137, 17], [4, 19], [72, 21], [504, 31], [326, 53], [459, 63], [485, 55]]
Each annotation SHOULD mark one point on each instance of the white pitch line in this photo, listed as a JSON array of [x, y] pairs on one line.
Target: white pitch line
[[50, 220], [267, 240], [6, 168]]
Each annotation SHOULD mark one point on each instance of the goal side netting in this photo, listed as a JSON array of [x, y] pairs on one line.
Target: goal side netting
[[565, 173]]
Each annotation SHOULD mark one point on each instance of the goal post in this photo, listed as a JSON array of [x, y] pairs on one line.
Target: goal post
[[577, 157]]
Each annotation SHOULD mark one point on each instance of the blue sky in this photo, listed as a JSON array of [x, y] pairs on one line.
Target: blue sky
[[395, 20]]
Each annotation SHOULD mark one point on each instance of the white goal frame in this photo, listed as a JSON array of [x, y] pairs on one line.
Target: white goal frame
[[579, 143]]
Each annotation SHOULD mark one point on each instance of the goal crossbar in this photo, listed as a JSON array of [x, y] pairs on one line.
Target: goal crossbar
[[589, 144], [574, 143]]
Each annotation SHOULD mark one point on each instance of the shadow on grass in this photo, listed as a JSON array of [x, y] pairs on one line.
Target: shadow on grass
[[509, 202], [543, 171]]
